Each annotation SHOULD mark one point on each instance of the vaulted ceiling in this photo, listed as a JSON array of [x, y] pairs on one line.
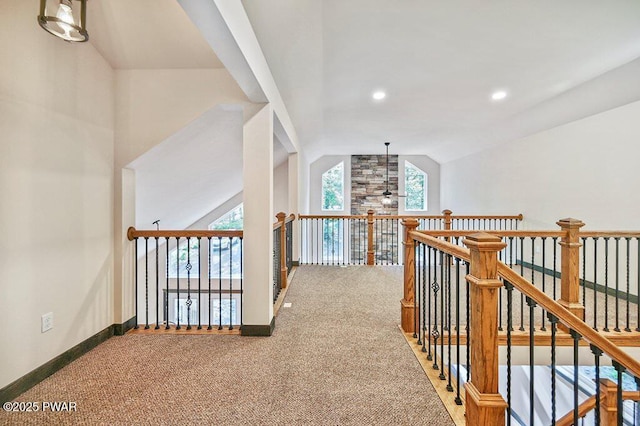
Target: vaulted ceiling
[[439, 62]]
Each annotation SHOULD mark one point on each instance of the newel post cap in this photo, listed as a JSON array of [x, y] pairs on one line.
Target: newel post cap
[[482, 241], [570, 223], [446, 212], [281, 216], [410, 223]]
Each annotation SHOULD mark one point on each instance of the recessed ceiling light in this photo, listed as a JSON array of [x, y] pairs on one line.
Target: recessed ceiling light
[[498, 95], [379, 95]]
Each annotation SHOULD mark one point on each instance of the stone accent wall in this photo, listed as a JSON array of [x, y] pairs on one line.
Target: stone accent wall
[[368, 182]]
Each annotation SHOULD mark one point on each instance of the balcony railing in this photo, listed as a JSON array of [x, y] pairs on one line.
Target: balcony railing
[[377, 239], [459, 306], [188, 280]]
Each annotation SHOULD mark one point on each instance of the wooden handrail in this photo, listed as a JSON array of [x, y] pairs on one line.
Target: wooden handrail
[[308, 216], [409, 216], [568, 319], [590, 403], [290, 218], [133, 233], [499, 233], [547, 303], [515, 217], [610, 234], [586, 406]]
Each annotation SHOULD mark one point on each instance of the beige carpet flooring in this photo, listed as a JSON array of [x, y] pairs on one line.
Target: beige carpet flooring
[[337, 357]]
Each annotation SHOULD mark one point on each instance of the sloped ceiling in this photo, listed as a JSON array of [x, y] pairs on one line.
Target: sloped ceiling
[[439, 62], [182, 179]]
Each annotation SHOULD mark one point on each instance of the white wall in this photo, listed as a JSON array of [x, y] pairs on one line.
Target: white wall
[[152, 105], [432, 169], [56, 180], [281, 189], [587, 169]]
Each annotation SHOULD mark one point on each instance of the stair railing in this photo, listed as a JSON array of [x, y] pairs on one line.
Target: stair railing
[[433, 268]]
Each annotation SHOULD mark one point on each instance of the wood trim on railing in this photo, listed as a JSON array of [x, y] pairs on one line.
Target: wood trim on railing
[[410, 216], [290, 218], [608, 404], [307, 216], [588, 405], [610, 234], [133, 233], [499, 233]]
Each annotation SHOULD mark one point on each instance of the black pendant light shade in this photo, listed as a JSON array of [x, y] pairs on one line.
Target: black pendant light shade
[[386, 199], [65, 19]]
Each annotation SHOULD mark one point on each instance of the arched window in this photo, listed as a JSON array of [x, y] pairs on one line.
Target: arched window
[[333, 188], [415, 186]]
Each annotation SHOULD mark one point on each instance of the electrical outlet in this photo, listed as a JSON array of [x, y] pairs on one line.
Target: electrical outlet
[[47, 322]]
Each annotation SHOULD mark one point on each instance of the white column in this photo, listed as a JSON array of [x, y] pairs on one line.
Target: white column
[[258, 221], [294, 207], [125, 215]]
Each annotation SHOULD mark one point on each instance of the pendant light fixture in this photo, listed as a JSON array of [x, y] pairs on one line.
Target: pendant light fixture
[[67, 23], [386, 199]]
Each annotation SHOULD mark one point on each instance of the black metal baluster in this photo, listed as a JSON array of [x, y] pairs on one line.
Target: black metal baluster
[[199, 286], [597, 353], [166, 298], [509, 288], [606, 284], [177, 283], [532, 345], [521, 274], [157, 327], [555, 267], [443, 282], [449, 262], [576, 341], [146, 282], [628, 328], [584, 271], [619, 369], [189, 302], [425, 283], [554, 327], [617, 327], [429, 252], [468, 327], [136, 280], [500, 294], [219, 283], [241, 282], [416, 294], [231, 281], [209, 254], [435, 287], [595, 281], [458, 400], [544, 278]]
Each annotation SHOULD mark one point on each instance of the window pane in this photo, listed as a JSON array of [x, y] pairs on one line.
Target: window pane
[[333, 188], [231, 220], [415, 184]]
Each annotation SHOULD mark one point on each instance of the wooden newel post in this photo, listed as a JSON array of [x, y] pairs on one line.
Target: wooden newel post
[[283, 248], [370, 251], [608, 402], [447, 220], [484, 405], [408, 304], [570, 264]]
